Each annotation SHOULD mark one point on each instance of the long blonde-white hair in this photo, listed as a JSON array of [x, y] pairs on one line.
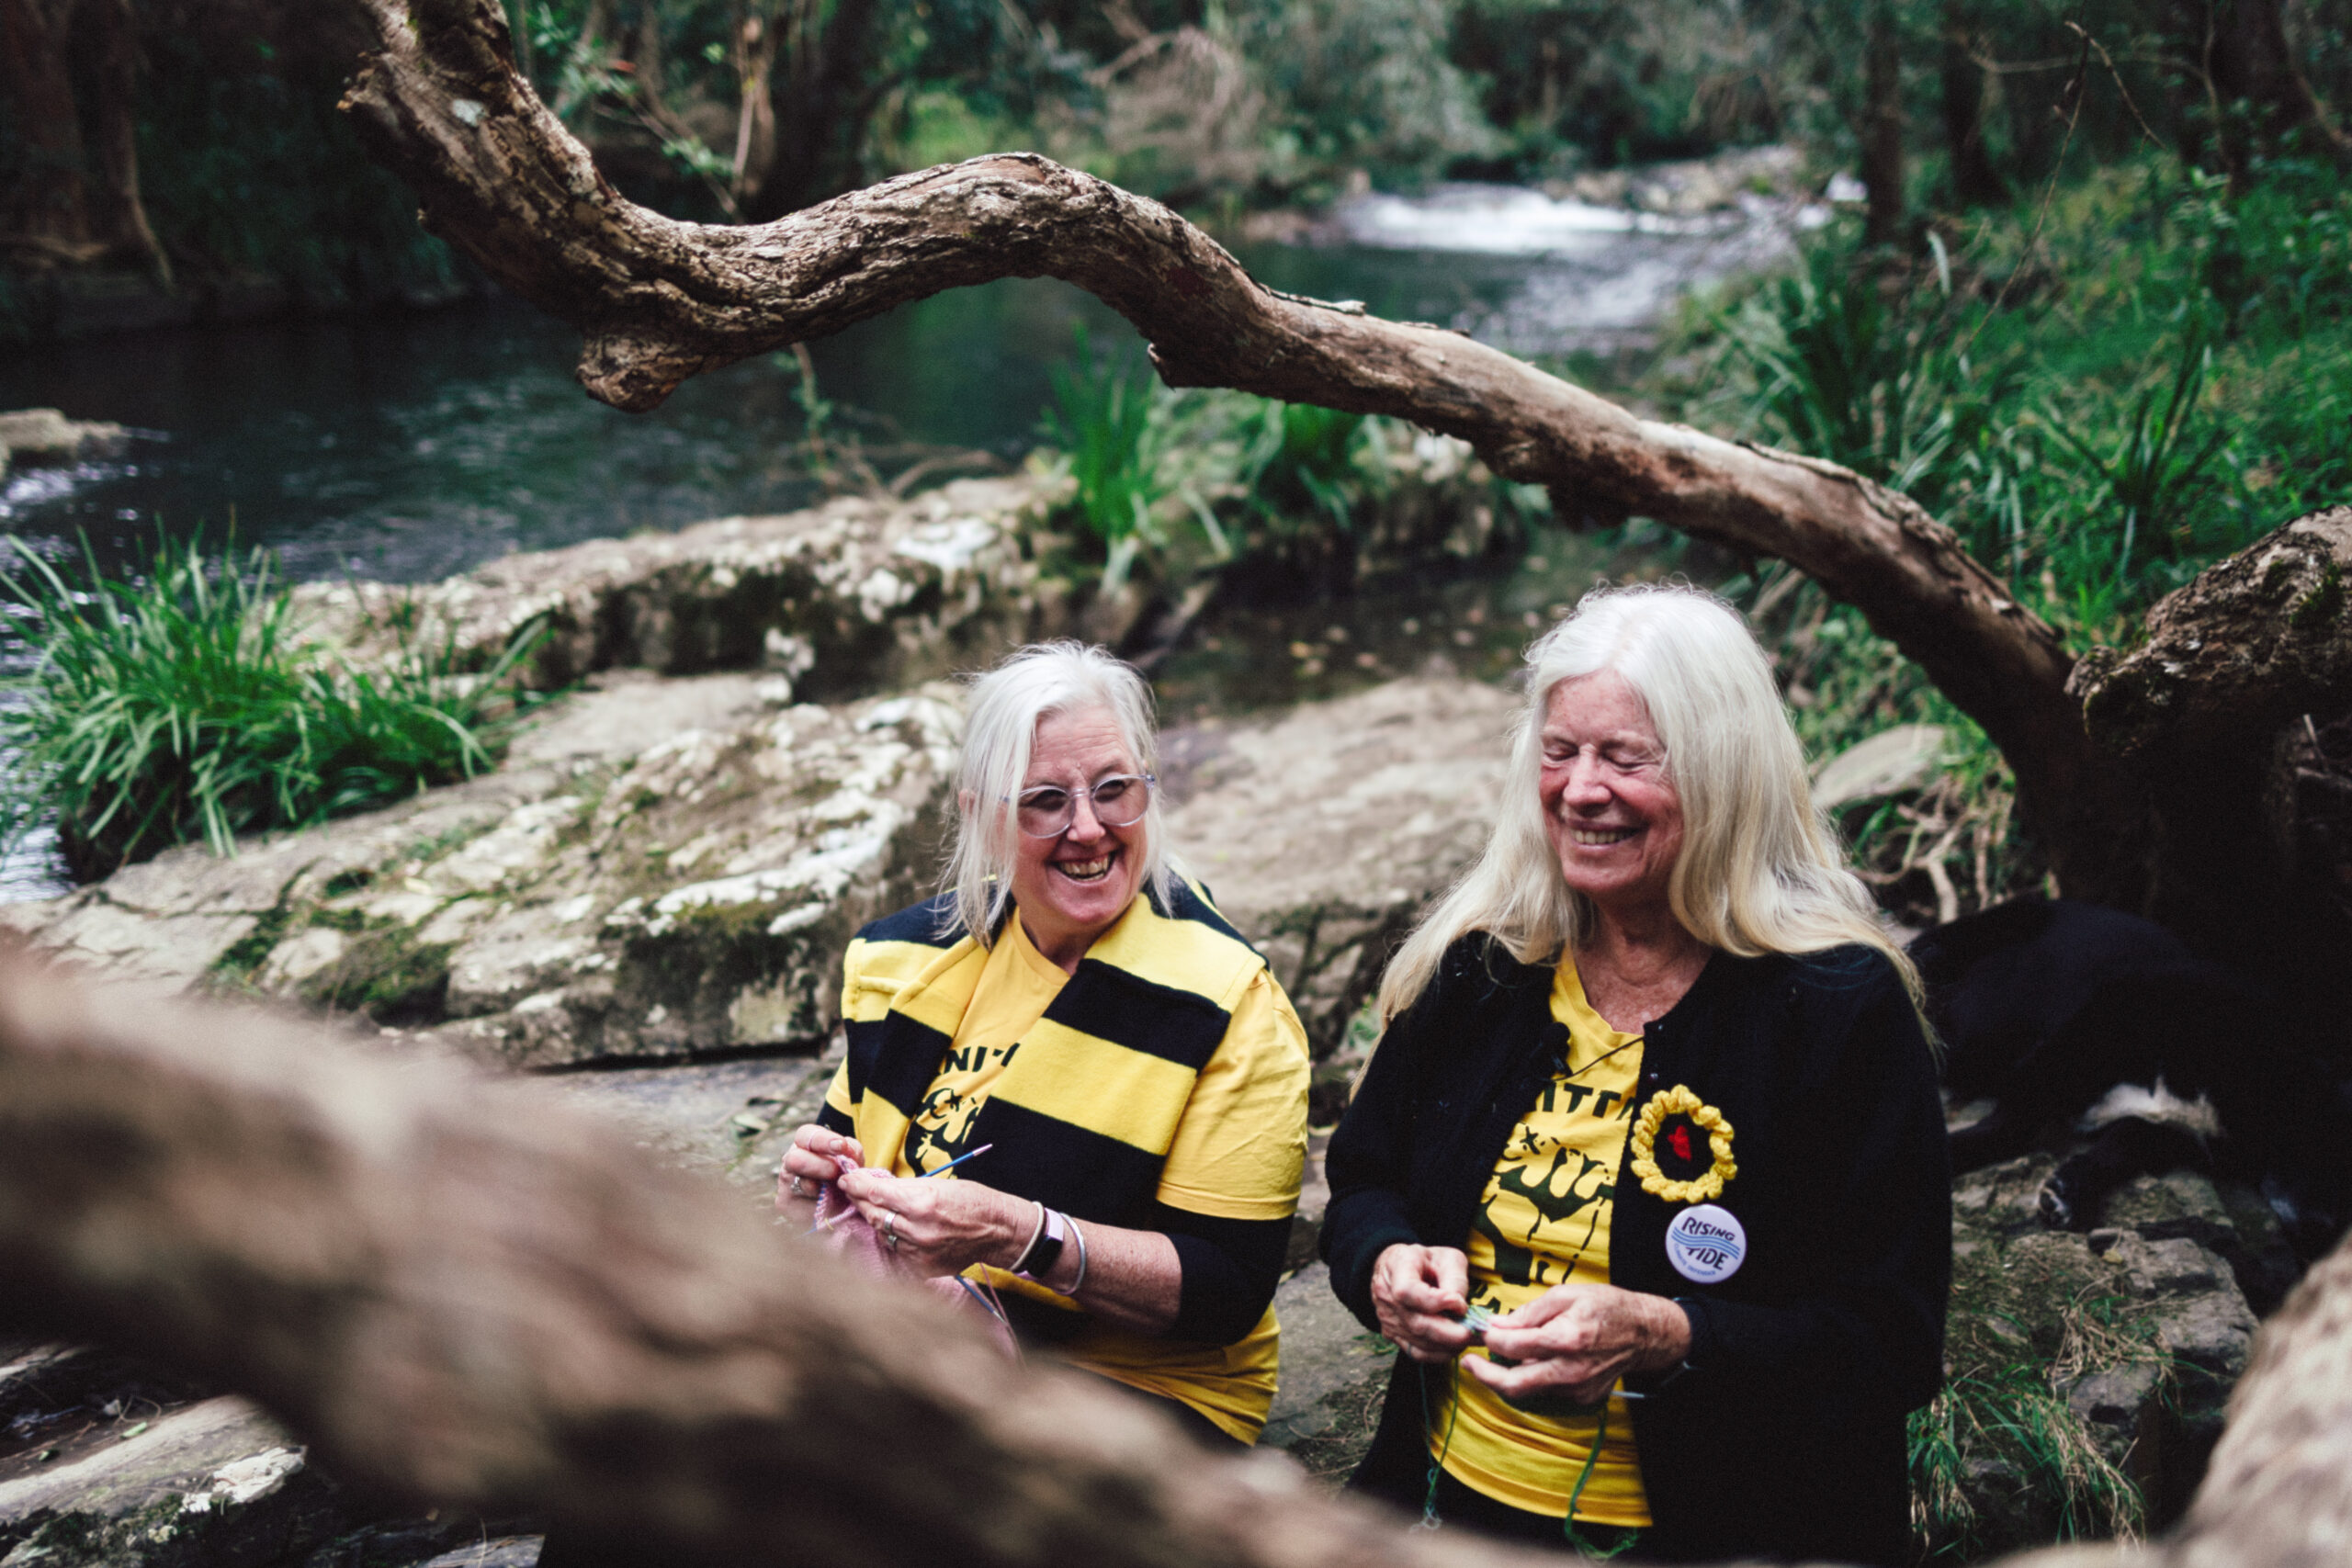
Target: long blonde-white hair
[[1007, 704], [1760, 871]]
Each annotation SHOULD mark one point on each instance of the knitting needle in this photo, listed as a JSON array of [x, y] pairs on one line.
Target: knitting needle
[[959, 1159]]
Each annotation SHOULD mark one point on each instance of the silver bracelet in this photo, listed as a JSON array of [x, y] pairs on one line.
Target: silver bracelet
[[1079, 1283], [1022, 1262]]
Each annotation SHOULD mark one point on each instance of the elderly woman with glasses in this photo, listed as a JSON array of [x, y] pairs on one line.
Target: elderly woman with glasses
[[1646, 1177], [1117, 1079]]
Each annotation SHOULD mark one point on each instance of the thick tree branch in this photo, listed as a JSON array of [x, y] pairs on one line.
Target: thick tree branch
[[460, 1292], [2278, 1490], [2256, 640], [660, 301]]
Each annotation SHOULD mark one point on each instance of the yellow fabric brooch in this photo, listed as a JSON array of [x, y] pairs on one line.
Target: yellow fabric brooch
[[1680, 1102]]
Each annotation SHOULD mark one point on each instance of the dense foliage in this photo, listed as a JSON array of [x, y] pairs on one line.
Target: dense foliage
[[748, 108], [186, 706], [2104, 388]]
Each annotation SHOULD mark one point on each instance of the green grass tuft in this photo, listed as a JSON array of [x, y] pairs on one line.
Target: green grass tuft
[[1101, 416], [185, 706]]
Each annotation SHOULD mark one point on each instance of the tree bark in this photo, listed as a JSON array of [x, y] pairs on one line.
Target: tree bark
[[119, 216], [1883, 125], [1975, 180], [2263, 93], [50, 210], [2219, 715], [462, 1293], [660, 301]]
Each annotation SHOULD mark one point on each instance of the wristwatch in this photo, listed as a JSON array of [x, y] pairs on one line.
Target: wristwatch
[[1045, 1251]]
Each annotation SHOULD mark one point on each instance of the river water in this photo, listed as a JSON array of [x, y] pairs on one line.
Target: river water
[[409, 447]]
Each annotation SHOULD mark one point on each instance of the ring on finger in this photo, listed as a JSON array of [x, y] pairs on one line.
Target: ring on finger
[[890, 1229]]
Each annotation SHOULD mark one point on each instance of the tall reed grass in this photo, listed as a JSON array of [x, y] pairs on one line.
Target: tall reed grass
[[2101, 399], [184, 705]]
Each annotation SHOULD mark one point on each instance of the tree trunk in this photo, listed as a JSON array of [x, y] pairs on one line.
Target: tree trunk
[[2260, 94], [2232, 716], [120, 217], [660, 301], [596, 32], [466, 1294], [462, 1293], [759, 31], [49, 210], [1974, 179], [1882, 126], [822, 105]]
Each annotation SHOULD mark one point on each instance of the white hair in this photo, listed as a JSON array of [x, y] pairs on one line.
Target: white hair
[[1008, 702], [1760, 869]]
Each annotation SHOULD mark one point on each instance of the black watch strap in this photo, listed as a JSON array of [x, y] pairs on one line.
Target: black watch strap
[[1047, 1250]]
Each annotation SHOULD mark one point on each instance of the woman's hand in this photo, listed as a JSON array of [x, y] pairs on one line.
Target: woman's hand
[[1420, 1294], [1578, 1340], [813, 1159], [942, 1227]]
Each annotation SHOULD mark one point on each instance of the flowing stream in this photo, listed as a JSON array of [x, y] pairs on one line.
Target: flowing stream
[[410, 448]]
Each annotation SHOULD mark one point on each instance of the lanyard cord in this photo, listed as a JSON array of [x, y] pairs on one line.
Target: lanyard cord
[[1430, 1520]]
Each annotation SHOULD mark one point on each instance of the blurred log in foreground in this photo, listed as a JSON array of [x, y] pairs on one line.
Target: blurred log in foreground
[[461, 1293]]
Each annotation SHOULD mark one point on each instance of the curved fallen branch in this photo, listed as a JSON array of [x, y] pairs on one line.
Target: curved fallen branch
[[463, 1292], [2278, 1488], [660, 301]]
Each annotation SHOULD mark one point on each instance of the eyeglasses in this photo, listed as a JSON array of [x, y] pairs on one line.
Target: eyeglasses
[[1119, 801]]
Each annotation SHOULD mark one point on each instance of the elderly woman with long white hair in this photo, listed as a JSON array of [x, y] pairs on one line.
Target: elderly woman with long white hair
[[1114, 1077], [1646, 1177]]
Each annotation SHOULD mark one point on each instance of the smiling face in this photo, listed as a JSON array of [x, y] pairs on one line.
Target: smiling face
[[1609, 808], [1070, 888]]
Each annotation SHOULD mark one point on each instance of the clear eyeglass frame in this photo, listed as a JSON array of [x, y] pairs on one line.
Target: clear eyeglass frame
[[1123, 807]]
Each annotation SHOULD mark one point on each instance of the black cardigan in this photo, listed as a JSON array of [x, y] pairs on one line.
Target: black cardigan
[[1782, 1434]]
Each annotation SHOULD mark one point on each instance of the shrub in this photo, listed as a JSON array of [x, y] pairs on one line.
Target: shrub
[[1301, 463], [183, 706], [1100, 416]]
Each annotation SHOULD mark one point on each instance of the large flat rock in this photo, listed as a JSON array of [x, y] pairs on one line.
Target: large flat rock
[[633, 884], [1323, 831], [1330, 1364], [215, 1484], [671, 867], [859, 595]]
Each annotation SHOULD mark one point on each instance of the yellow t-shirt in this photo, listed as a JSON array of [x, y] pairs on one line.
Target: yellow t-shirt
[[1237, 1154], [1543, 1221]]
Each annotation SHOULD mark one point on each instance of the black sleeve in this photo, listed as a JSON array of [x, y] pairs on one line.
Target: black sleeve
[[1368, 1163], [1880, 1229], [834, 1121], [1231, 1269]]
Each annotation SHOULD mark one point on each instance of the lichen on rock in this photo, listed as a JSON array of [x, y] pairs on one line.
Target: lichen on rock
[[607, 899]]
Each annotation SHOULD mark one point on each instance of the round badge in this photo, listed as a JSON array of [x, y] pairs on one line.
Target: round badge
[[1706, 1243]]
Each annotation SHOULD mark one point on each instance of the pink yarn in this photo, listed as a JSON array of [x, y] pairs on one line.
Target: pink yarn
[[851, 1235]]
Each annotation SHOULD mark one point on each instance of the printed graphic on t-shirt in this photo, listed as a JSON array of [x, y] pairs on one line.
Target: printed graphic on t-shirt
[[943, 1126], [1549, 1200], [1543, 1221]]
